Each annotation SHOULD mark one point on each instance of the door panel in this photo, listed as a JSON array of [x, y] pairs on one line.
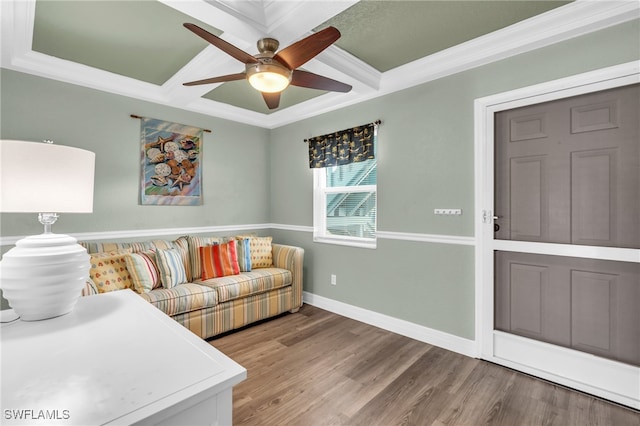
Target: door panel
[[593, 197], [528, 283], [593, 311], [584, 304], [528, 127], [528, 199], [594, 116], [568, 171]]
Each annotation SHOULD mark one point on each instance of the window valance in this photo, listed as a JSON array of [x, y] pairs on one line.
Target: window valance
[[343, 147]]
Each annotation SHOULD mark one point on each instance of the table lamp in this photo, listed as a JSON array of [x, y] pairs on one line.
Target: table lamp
[[43, 275]]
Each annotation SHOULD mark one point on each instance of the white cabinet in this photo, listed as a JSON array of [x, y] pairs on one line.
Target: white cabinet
[[115, 359]]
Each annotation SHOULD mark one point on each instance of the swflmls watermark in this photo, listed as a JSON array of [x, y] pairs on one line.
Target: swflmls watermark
[[30, 414]]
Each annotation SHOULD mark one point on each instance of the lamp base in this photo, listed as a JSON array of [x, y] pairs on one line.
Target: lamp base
[[43, 275], [8, 315]]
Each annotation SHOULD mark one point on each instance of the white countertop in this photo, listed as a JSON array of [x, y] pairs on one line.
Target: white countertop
[[114, 358]]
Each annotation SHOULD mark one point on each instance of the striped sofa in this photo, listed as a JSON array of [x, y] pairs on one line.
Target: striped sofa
[[217, 305]]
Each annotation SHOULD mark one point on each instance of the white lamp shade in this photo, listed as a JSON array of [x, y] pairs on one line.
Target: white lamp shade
[[40, 177]]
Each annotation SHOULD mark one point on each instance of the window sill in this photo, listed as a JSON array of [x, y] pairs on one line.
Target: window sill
[[351, 242]]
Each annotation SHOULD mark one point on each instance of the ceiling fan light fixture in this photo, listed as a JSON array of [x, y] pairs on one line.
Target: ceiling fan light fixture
[[268, 78]]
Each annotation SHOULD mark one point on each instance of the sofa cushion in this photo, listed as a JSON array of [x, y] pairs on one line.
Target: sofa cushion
[[248, 283], [106, 247], [181, 298]]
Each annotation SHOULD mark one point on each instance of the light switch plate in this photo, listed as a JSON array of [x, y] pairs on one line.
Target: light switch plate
[[448, 212]]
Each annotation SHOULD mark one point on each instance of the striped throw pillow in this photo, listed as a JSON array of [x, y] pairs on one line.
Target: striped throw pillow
[[172, 272], [90, 288], [195, 242], [182, 245], [143, 270], [243, 247], [219, 260]]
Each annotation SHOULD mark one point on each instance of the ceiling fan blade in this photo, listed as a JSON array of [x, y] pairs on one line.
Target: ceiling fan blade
[[314, 81], [225, 46], [302, 51], [221, 79], [272, 99]]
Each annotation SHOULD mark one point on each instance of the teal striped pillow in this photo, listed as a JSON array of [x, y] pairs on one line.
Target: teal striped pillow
[[243, 250], [171, 268]]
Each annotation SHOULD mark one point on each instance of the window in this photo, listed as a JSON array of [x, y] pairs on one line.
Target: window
[[345, 204]]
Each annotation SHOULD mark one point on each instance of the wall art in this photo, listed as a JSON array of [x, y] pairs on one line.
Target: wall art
[[171, 163]]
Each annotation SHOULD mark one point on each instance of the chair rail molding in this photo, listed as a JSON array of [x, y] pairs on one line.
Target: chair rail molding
[[137, 233]]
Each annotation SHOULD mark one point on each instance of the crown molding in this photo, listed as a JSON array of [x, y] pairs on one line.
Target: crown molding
[[575, 19]]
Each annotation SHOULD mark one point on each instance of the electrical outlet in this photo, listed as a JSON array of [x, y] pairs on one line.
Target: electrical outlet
[[333, 279]]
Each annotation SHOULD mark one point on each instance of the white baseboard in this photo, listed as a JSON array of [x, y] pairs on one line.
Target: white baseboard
[[405, 328], [612, 380]]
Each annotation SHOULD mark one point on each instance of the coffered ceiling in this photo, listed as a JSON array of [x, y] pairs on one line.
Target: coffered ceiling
[[140, 48]]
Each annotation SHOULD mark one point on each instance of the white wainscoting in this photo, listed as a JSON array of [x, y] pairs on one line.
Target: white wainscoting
[[405, 328]]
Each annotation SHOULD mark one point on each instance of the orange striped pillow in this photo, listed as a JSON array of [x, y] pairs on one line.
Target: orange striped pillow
[[219, 260]]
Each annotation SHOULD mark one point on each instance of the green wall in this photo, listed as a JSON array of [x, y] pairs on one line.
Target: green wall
[[253, 175], [425, 161], [234, 165]]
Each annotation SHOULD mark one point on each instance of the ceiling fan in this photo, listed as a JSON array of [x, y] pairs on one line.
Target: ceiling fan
[[270, 72]]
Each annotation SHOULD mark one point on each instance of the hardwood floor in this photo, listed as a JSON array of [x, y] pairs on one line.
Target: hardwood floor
[[318, 368]]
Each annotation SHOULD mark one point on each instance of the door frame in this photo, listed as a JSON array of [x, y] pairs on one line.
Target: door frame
[[615, 381]]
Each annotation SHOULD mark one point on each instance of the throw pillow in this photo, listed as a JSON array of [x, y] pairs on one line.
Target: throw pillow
[[243, 247], [219, 260], [261, 256], [109, 271], [143, 270], [195, 242], [170, 267], [182, 245], [89, 288]]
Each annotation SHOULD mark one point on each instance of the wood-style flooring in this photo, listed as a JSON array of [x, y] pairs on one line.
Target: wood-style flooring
[[318, 368]]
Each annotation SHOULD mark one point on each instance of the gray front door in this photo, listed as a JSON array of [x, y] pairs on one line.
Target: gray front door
[[568, 172]]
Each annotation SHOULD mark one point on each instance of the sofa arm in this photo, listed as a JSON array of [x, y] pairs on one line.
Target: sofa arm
[[291, 258]]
